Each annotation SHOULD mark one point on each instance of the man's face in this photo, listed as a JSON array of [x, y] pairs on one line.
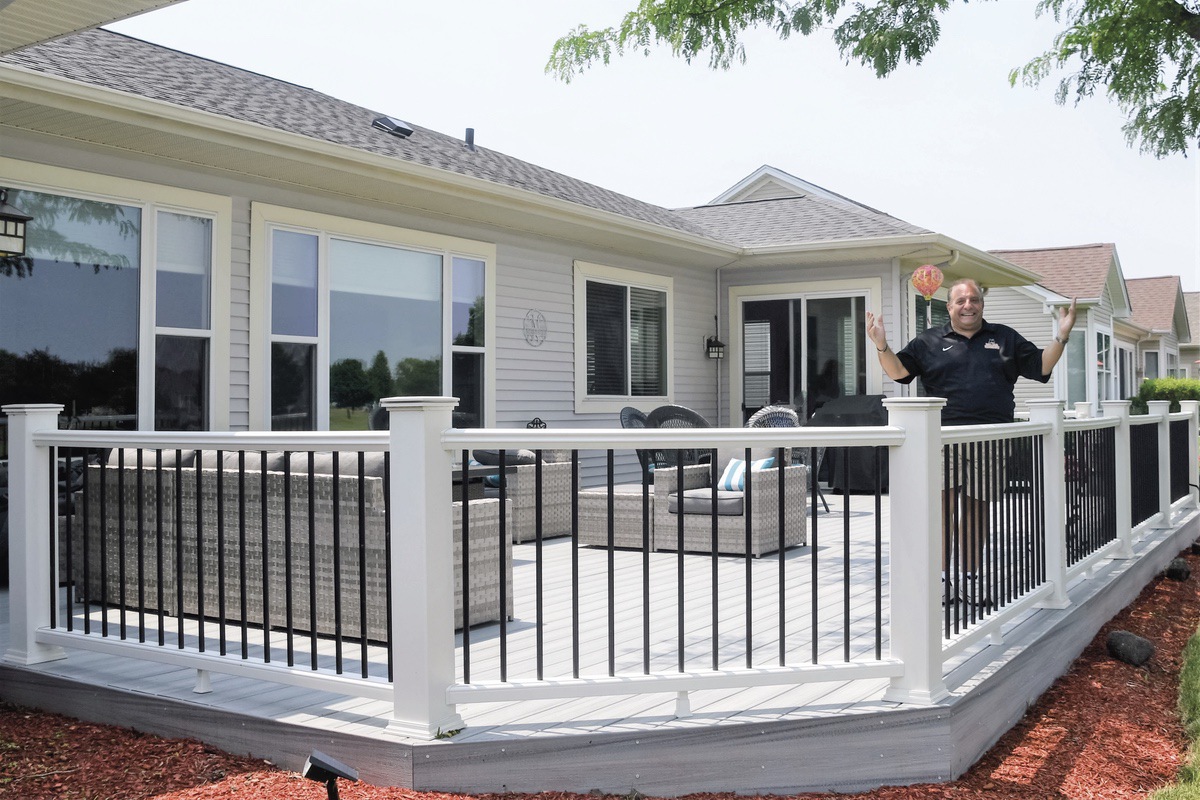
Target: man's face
[[965, 309]]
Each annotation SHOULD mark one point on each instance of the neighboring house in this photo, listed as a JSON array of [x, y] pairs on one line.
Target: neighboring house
[[1158, 308], [1099, 362], [217, 249], [1189, 354]]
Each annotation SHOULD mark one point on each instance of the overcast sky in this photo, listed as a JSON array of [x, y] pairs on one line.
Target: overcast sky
[[947, 145]]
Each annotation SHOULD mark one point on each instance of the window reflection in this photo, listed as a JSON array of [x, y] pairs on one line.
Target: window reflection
[[69, 310], [180, 383], [385, 322]]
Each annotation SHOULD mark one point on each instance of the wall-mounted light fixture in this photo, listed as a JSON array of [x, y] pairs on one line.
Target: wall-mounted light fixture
[[714, 347], [12, 227]]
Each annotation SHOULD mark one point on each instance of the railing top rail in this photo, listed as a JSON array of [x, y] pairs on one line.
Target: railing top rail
[[669, 438], [1179, 416], [1144, 419], [320, 441], [1090, 423], [957, 434]]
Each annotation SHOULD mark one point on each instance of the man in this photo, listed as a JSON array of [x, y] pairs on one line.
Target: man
[[974, 364]]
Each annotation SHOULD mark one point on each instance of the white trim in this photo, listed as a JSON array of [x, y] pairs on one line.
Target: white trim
[[583, 271], [870, 287], [265, 217], [150, 198]]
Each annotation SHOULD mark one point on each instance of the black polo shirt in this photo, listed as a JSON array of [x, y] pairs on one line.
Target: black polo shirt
[[976, 375]]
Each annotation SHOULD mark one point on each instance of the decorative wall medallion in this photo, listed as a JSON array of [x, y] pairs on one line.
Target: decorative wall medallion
[[534, 328]]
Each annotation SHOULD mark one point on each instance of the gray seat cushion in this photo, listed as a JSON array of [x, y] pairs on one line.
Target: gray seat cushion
[[699, 501]]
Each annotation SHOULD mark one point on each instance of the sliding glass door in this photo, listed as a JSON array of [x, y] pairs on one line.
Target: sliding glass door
[[802, 351]]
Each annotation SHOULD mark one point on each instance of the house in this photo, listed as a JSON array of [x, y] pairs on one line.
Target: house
[[1158, 308], [1099, 363], [1189, 354], [218, 250], [237, 252]]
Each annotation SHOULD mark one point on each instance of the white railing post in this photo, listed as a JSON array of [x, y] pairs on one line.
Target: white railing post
[[32, 572], [1162, 409], [1054, 510], [1123, 485], [914, 486], [1192, 408], [422, 567]]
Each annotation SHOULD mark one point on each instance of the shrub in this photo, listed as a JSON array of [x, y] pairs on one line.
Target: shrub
[[1173, 389]]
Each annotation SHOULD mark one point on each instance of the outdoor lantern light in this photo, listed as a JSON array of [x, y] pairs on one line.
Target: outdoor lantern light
[[12, 227], [325, 769], [715, 347]]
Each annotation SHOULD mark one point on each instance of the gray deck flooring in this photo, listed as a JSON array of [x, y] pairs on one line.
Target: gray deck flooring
[[545, 727]]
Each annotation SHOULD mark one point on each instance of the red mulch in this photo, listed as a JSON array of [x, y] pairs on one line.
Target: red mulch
[[1105, 730]]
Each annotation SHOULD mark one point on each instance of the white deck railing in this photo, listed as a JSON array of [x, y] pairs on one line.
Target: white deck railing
[[427, 685]]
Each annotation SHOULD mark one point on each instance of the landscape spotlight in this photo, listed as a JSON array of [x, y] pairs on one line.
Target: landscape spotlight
[[326, 769]]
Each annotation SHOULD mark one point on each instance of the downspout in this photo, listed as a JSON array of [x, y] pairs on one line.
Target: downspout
[[717, 333]]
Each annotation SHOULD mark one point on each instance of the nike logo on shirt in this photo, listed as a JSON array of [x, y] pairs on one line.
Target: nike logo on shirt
[[944, 349]]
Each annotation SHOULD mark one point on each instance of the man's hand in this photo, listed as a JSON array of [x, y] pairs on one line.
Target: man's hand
[[1066, 320], [875, 331]]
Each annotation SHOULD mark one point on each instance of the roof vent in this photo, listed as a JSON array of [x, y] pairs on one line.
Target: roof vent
[[469, 142], [393, 126]]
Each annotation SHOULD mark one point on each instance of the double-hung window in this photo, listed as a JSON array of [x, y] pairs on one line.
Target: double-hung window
[[624, 352], [1104, 366], [360, 311]]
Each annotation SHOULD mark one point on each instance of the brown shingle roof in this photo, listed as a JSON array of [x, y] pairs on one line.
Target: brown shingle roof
[[1079, 271], [1153, 301], [1191, 301]]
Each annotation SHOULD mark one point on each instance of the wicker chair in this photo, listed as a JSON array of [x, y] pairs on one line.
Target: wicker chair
[[672, 416], [636, 418], [786, 417]]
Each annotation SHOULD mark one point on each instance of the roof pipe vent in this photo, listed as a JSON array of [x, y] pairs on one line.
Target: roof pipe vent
[[393, 126], [470, 139]]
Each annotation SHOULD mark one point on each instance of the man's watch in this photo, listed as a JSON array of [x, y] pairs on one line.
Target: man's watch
[[1062, 339]]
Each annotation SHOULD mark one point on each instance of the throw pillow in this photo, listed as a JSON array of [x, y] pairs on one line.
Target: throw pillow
[[733, 479]]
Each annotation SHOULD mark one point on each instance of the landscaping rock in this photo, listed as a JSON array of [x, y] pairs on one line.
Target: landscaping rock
[[1179, 570], [1129, 647]]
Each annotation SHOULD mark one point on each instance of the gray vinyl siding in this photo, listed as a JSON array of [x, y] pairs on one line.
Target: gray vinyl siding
[[239, 317]]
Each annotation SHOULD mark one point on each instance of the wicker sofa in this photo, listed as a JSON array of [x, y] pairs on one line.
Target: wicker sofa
[[113, 505], [521, 491], [731, 521]]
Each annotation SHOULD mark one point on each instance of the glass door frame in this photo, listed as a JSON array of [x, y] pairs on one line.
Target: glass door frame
[[870, 288]]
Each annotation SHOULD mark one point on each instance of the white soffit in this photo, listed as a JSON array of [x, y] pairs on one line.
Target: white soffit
[[26, 22]]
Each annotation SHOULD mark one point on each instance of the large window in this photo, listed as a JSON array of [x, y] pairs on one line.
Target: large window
[[625, 348], [358, 314], [1151, 364], [97, 318]]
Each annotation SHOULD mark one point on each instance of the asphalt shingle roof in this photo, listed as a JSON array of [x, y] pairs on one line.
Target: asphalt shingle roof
[[1079, 271], [1153, 301], [790, 220], [1191, 301], [118, 62], [114, 61]]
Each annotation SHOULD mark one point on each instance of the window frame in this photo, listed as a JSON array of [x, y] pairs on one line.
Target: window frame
[[584, 272], [150, 199], [265, 218]]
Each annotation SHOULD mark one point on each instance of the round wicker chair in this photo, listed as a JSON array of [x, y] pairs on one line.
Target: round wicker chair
[[786, 417], [672, 416]]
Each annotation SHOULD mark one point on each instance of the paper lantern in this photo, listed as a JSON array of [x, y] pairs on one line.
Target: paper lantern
[[927, 279]]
